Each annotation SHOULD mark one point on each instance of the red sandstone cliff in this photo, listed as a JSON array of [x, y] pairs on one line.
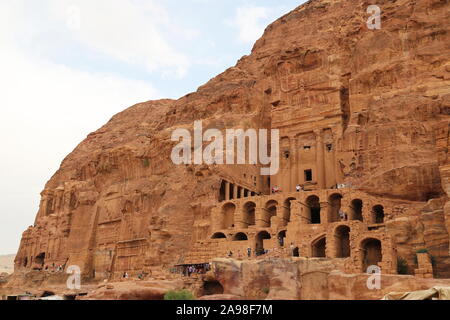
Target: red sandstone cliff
[[118, 203]]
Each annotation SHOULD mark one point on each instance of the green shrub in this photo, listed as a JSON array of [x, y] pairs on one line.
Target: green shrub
[[266, 290], [146, 162], [179, 295], [422, 251], [433, 260], [402, 266]]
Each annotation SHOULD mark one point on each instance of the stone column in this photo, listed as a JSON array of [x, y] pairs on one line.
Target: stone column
[[260, 215], [295, 212], [320, 159], [324, 212], [215, 219], [294, 161], [304, 219], [337, 167], [242, 192], [239, 217], [235, 191], [227, 190]]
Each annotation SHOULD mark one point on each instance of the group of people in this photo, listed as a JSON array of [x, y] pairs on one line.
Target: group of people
[[249, 253], [196, 269], [276, 189], [54, 268], [298, 188], [126, 275]]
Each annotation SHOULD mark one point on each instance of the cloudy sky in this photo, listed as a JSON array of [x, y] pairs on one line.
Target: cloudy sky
[[66, 67]]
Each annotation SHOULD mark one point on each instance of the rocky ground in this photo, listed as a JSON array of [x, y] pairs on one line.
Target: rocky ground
[[229, 279]]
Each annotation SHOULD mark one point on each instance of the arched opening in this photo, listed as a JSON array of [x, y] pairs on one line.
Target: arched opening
[[356, 210], [240, 237], [25, 262], [313, 204], [371, 253], [296, 252], [281, 238], [39, 261], [378, 214], [342, 238], [319, 247], [228, 215], [218, 235], [334, 207], [249, 213], [211, 288], [286, 217], [260, 237], [222, 191], [269, 212]]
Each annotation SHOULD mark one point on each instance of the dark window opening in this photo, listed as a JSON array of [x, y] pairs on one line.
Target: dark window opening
[[329, 147], [319, 248], [240, 237], [315, 215], [378, 214], [313, 204], [356, 207], [286, 154], [308, 175], [307, 148], [219, 235]]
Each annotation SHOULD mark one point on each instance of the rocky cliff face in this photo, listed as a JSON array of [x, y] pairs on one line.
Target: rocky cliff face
[[118, 203]]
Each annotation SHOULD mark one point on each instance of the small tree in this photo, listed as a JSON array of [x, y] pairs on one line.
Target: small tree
[[179, 295], [402, 266]]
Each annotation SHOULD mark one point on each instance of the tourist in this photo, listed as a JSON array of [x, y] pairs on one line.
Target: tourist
[[230, 254], [249, 252], [298, 188], [280, 241], [342, 215], [292, 248]]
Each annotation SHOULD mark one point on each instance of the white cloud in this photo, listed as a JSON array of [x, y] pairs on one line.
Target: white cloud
[[250, 20], [136, 32], [46, 109]]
